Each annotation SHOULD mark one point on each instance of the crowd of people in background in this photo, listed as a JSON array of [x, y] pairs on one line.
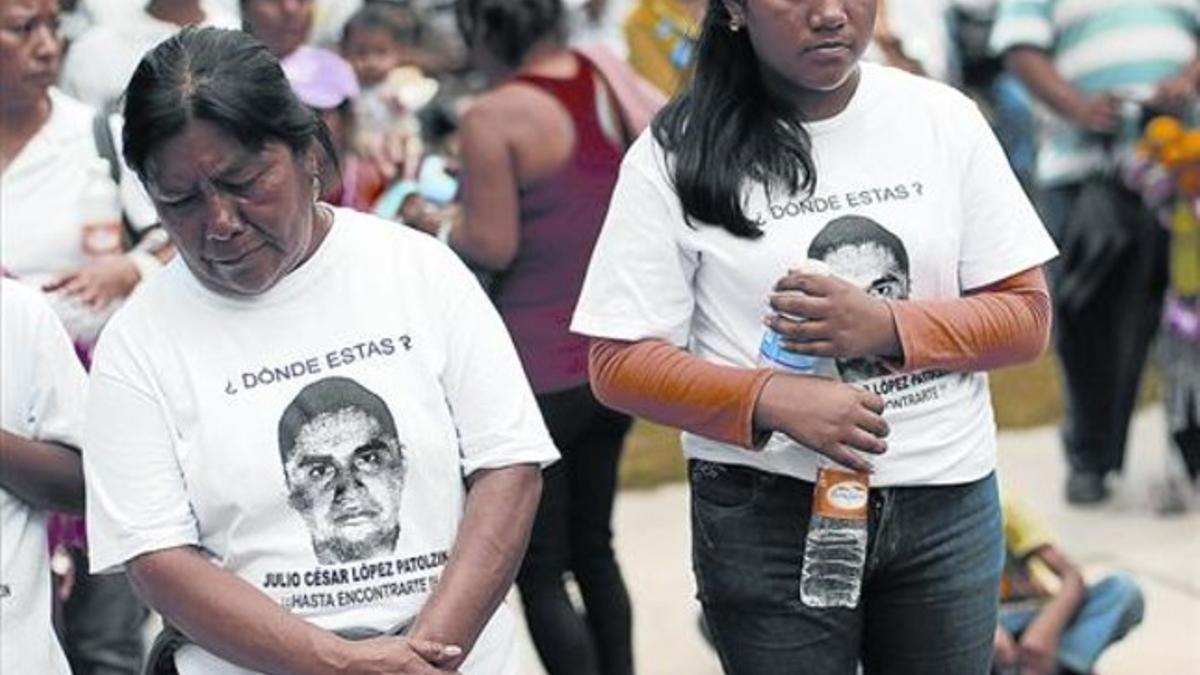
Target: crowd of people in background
[[513, 226]]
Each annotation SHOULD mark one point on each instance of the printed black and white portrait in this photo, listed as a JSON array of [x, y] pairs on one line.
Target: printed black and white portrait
[[344, 466], [860, 251]]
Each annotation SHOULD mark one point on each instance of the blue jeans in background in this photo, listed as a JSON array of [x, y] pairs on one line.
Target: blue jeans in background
[[1013, 121], [1110, 610], [930, 586]]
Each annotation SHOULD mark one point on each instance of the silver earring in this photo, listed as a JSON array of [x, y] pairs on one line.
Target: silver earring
[[734, 25], [316, 186]]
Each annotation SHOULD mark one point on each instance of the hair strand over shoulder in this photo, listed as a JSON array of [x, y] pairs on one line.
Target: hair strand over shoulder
[[726, 130]]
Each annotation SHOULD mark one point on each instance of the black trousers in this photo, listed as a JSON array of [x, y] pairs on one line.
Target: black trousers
[[102, 623], [1103, 340], [573, 533]]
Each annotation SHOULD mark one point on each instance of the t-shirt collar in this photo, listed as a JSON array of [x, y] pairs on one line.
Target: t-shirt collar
[[859, 102]]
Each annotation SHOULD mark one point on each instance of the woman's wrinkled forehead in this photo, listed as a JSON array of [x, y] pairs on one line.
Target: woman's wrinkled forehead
[[203, 151], [182, 147]]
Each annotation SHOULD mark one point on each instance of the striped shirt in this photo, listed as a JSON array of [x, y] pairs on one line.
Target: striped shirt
[[1123, 47]]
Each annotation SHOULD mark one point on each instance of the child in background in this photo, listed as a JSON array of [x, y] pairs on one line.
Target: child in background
[[324, 82], [381, 43], [1050, 621]]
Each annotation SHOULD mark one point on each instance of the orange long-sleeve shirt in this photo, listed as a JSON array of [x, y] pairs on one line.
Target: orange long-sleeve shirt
[[1002, 324]]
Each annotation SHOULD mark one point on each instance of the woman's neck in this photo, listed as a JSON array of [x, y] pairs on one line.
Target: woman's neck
[[548, 58], [19, 121], [815, 104]]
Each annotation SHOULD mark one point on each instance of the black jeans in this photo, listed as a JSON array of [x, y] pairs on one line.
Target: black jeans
[[1103, 344], [930, 590], [102, 623], [572, 533]]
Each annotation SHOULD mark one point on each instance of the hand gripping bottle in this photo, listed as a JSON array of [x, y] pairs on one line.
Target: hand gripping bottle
[[101, 231], [835, 548], [772, 354]]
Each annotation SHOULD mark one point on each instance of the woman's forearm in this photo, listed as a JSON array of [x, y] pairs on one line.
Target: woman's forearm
[[229, 617], [46, 475], [491, 541], [1001, 325], [490, 250], [1035, 68], [665, 384]]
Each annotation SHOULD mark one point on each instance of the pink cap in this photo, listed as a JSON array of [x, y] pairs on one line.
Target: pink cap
[[320, 78]]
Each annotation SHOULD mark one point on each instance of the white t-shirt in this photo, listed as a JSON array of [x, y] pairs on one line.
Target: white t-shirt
[[43, 389], [265, 431], [99, 64], [913, 195], [42, 209]]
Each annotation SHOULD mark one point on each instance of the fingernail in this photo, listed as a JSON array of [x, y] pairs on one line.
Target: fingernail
[[451, 650]]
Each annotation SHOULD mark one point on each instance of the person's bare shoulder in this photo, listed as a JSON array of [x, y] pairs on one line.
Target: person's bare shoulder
[[511, 106]]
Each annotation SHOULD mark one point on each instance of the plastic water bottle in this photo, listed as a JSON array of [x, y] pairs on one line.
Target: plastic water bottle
[[100, 212], [101, 231], [772, 354], [835, 550]]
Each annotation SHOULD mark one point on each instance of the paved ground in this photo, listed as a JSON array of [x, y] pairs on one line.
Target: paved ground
[[1163, 553]]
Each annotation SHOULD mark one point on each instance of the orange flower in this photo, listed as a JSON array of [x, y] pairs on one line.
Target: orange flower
[[1163, 130], [1172, 156], [1189, 145], [1188, 182]]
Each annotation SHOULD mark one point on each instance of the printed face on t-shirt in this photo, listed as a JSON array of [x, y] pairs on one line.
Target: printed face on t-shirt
[[871, 267], [862, 252], [345, 476]]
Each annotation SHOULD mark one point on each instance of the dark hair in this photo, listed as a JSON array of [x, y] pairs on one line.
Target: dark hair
[[856, 231], [725, 128], [400, 21], [225, 77], [327, 396], [510, 28]]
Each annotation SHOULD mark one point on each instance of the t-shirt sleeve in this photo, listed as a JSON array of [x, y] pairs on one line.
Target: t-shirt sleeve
[[494, 412], [639, 281], [55, 408], [1022, 23], [136, 495], [45, 386], [1001, 232]]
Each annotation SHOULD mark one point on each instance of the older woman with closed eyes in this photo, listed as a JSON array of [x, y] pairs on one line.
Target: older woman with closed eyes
[[240, 405]]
